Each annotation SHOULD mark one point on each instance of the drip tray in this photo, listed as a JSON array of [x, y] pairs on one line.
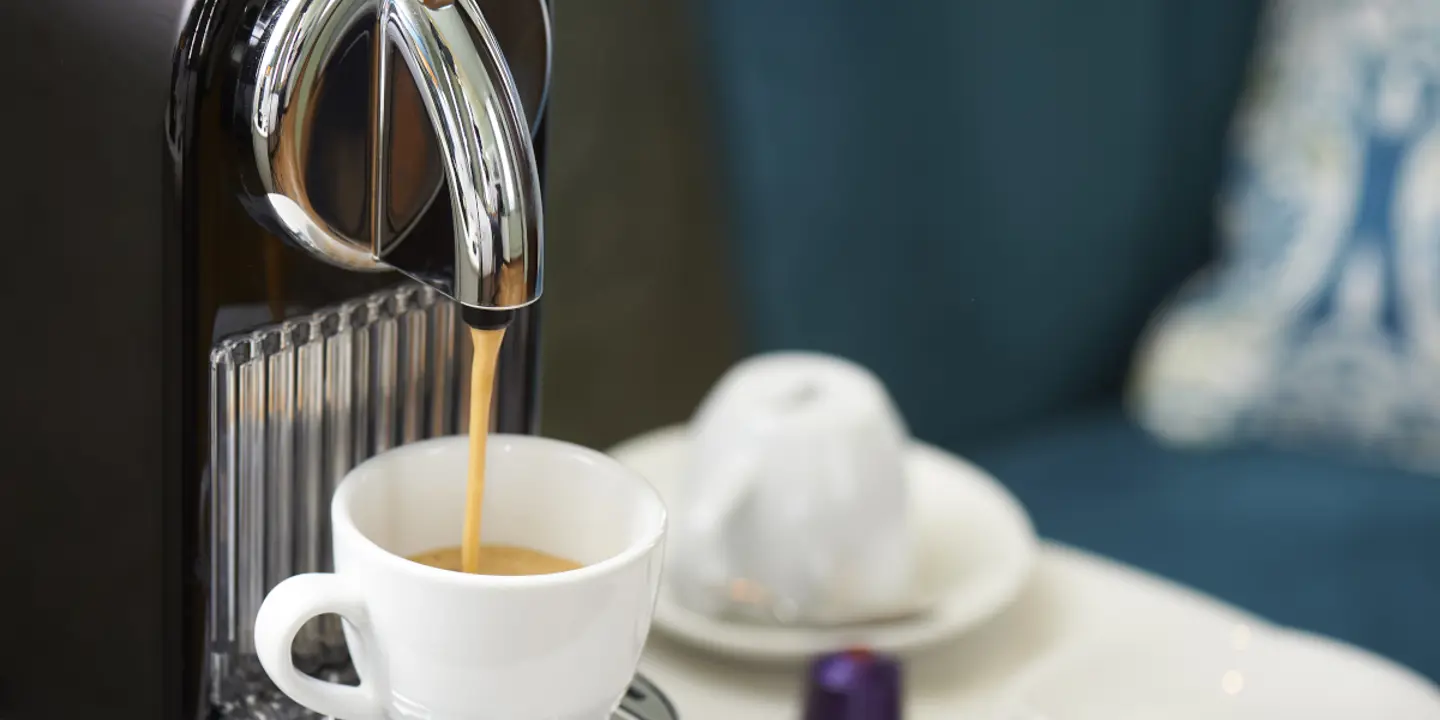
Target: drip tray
[[643, 701]]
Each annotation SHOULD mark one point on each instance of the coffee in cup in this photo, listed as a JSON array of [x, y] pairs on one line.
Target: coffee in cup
[[497, 560]]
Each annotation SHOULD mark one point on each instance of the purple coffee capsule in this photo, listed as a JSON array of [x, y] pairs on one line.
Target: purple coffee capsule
[[853, 685]]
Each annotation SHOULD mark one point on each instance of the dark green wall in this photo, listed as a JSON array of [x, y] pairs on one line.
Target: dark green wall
[[981, 201]]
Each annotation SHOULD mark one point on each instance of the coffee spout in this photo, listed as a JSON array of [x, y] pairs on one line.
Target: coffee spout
[[493, 259], [485, 150]]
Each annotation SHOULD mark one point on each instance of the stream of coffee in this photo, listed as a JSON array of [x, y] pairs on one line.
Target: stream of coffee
[[482, 389], [470, 556]]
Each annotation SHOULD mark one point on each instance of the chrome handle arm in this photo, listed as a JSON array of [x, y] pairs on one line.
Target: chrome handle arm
[[495, 258], [485, 141]]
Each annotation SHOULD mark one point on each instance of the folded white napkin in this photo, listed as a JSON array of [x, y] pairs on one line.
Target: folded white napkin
[[794, 507]]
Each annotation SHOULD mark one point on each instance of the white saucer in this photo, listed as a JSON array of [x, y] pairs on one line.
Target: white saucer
[[977, 550]]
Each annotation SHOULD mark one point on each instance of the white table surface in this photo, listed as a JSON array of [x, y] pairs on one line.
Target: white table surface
[[1078, 606]]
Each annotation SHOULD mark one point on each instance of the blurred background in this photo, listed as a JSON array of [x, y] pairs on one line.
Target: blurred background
[[1168, 270], [640, 170], [731, 141]]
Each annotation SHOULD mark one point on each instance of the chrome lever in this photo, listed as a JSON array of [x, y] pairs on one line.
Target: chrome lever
[[494, 259]]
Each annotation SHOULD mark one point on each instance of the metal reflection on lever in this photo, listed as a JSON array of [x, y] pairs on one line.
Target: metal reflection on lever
[[493, 257]]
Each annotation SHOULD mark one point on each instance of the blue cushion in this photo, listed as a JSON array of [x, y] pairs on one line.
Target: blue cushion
[[1318, 322], [1310, 542]]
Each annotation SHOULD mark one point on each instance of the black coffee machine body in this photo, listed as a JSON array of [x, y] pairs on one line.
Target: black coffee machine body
[[245, 234]]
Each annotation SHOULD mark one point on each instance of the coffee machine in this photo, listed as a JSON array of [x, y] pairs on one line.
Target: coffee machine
[[247, 236]]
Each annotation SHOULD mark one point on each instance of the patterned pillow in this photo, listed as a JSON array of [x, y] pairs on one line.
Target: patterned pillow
[[1319, 323]]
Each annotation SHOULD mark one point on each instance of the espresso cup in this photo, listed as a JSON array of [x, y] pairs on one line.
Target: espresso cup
[[436, 644]]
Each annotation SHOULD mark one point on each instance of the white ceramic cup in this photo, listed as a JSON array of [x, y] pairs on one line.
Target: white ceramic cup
[[436, 644], [796, 494]]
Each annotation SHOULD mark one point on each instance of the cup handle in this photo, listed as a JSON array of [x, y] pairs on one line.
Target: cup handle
[[288, 607]]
